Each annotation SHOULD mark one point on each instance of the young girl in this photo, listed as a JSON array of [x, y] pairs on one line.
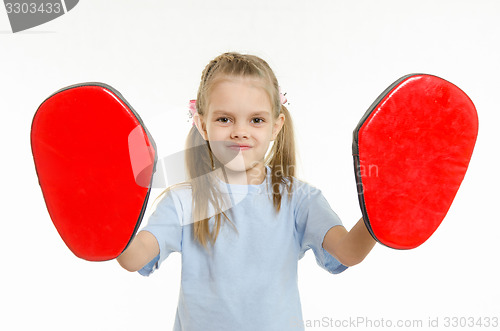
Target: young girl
[[242, 220]]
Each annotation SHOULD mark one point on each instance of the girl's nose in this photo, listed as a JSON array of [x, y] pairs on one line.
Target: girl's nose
[[239, 131]]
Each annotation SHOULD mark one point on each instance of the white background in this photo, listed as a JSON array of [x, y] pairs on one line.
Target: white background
[[333, 58]]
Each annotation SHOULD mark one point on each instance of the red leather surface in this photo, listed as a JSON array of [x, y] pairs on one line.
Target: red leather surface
[[80, 144], [414, 150]]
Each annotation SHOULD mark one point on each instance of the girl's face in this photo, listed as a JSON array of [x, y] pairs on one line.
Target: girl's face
[[239, 126]]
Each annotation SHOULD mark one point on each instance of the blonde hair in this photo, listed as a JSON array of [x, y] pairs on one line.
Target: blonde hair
[[200, 162]]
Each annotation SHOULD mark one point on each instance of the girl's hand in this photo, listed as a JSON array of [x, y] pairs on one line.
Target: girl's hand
[[143, 248], [349, 247]]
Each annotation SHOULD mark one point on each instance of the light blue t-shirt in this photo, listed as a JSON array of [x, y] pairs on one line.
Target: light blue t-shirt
[[248, 280]]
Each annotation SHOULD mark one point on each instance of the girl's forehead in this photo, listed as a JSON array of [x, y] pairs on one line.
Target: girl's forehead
[[226, 81], [239, 92]]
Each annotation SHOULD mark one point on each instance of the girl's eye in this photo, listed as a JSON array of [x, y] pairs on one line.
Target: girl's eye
[[226, 120], [223, 119]]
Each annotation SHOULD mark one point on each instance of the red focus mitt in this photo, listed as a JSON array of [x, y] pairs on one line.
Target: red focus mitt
[[95, 162], [411, 151]]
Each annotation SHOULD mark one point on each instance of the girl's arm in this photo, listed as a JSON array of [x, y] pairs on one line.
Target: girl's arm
[[349, 247], [141, 250]]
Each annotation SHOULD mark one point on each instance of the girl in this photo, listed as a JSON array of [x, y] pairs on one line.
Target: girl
[[242, 220]]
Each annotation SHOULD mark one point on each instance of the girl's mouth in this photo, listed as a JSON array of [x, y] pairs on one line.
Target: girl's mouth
[[239, 147]]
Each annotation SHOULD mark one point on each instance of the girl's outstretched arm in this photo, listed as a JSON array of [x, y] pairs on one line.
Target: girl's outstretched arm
[[143, 248], [349, 247]]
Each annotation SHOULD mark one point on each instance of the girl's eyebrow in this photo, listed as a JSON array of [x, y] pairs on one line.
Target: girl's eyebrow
[[256, 113]]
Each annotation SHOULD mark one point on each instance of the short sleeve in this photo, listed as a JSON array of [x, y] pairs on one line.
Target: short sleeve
[[165, 224], [314, 217]]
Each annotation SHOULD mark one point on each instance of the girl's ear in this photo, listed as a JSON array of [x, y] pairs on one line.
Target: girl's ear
[[200, 125], [278, 124]]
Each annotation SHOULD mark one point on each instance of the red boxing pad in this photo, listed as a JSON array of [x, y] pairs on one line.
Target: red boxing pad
[[411, 151], [95, 162]]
